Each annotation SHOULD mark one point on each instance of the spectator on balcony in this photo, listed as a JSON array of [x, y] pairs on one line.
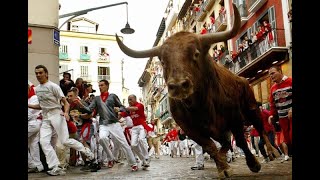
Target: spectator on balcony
[[222, 13], [196, 8], [204, 29], [248, 41], [234, 54], [212, 21], [245, 44], [66, 83], [269, 32], [260, 33], [240, 48], [254, 38]]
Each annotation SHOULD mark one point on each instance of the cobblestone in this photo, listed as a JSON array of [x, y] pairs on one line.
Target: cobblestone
[[176, 168]]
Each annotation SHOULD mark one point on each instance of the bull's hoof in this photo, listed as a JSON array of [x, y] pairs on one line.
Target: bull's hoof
[[254, 165], [225, 173], [271, 156]]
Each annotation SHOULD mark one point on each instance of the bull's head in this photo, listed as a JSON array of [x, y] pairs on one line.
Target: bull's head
[[184, 57]]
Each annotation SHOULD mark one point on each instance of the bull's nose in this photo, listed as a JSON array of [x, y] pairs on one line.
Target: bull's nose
[[182, 84]]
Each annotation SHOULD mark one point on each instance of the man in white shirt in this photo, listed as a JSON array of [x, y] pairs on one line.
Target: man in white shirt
[[54, 121]]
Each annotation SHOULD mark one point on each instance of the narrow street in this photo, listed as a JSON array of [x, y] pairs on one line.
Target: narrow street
[[177, 168]]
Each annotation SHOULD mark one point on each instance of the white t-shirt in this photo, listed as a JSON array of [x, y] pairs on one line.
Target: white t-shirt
[[49, 96], [33, 113]]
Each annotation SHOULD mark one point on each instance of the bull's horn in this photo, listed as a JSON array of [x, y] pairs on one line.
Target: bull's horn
[[225, 35], [138, 54]]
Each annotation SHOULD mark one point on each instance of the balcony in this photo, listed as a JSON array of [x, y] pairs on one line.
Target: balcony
[[243, 14], [208, 4], [260, 55], [101, 77], [255, 5], [221, 23], [200, 16], [103, 58], [63, 56], [189, 20], [85, 57]]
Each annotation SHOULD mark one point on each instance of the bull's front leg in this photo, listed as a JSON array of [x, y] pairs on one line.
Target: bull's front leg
[[209, 146]]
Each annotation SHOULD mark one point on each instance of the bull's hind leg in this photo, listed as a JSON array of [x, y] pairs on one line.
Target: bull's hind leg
[[241, 142], [254, 117]]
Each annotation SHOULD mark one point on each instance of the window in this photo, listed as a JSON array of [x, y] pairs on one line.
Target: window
[[84, 50], [103, 54], [103, 73], [75, 28], [63, 49], [84, 71]]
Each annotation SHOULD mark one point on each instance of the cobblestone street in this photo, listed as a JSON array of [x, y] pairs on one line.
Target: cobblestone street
[[177, 168]]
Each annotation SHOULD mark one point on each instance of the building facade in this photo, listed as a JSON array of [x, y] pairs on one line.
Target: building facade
[[91, 56], [210, 16], [43, 22]]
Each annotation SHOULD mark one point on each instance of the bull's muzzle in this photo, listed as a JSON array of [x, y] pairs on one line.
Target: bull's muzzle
[[180, 89]]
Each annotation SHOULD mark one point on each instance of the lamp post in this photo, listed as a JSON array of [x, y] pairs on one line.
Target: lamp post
[[126, 30]]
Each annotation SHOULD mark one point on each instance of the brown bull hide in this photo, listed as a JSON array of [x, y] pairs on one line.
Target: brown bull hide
[[207, 100]]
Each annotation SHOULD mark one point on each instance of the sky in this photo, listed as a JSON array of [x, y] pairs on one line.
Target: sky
[[144, 17]]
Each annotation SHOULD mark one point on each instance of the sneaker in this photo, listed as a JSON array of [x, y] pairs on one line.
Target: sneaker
[[157, 157], [286, 158], [56, 171], [146, 163], [33, 170], [198, 167], [110, 164], [265, 160], [134, 168]]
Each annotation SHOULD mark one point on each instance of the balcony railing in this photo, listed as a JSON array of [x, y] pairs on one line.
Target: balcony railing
[[104, 58], [63, 56], [255, 5], [101, 77], [220, 23], [257, 49], [85, 57]]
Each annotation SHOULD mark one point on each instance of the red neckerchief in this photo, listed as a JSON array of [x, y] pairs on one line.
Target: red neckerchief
[[104, 96], [31, 92]]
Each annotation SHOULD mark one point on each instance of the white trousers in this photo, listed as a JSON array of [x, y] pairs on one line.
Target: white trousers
[[198, 154], [138, 142], [54, 122], [33, 146], [116, 132], [173, 145], [183, 147]]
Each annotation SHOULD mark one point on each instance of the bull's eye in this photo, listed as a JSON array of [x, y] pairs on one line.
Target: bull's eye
[[196, 54]]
